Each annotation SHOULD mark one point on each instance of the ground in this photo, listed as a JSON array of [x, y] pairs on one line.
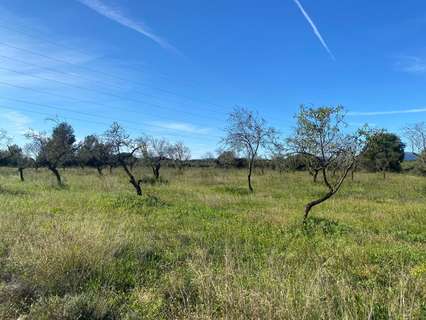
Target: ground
[[202, 247]]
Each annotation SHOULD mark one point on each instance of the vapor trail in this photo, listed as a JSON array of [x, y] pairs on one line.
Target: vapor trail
[[314, 28]]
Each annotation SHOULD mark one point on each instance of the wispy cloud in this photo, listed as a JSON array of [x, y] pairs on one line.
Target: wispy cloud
[[118, 16], [26, 61], [411, 64], [385, 113], [181, 126], [17, 123], [314, 28]]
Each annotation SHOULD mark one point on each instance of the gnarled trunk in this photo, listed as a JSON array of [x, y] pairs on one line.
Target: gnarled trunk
[[314, 203], [333, 189], [135, 183], [57, 175]]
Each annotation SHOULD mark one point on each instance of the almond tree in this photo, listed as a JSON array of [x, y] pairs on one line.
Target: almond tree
[[248, 133], [319, 135], [179, 153], [416, 135], [54, 150], [155, 152], [123, 150]]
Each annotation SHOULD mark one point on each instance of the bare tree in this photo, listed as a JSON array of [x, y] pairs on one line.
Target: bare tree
[[179, 153], [248, 133], [155, 151], [53, 151], [416, 134], [5, 147], [319, 135], [123, 149]]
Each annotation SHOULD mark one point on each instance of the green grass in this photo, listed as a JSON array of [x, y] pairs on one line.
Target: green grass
[[202, 247]]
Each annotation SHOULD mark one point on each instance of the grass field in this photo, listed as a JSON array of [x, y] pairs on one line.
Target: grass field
[[202, 247]]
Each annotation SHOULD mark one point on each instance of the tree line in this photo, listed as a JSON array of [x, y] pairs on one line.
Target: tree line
[[321, 144]]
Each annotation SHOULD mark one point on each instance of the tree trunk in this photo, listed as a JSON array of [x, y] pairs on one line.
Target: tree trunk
[[156, 171], [99, 171], [353, 175], [314, 203], [249, 175], [21, 174], [57, 175], [332, 191], [135, 183], [384, 174]]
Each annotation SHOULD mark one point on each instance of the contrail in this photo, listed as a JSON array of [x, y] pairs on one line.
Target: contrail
[[314, 28], [117, 16], [384, 113]]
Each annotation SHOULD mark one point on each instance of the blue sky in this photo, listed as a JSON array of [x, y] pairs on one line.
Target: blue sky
[[176, 68]]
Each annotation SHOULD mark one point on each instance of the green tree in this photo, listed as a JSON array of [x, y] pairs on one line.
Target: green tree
[[55, 150], [18, 159], [384, 152], [94, 153]]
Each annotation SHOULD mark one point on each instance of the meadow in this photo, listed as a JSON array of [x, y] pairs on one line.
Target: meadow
[[202, 247]]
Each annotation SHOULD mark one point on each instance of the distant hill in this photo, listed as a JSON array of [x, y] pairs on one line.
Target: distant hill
[[409, 156]]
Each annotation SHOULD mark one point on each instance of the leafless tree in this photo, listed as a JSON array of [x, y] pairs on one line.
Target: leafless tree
[[179, 153], [247, 133], [5, 146], [319, 135], [416, 134], [155, 152], [123, 149]]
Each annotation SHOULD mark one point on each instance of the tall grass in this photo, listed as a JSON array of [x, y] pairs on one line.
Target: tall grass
[[202, 247]]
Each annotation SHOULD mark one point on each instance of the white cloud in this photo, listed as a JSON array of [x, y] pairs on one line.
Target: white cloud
[[181, 126], [384, 113], [411, 64], [117, 15], [15, 122], [314, 28]]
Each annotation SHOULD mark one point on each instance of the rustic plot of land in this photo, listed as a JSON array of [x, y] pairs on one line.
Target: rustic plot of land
[[201, 246]]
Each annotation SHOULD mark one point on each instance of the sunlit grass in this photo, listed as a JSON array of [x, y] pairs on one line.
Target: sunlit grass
[[202, 247]]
